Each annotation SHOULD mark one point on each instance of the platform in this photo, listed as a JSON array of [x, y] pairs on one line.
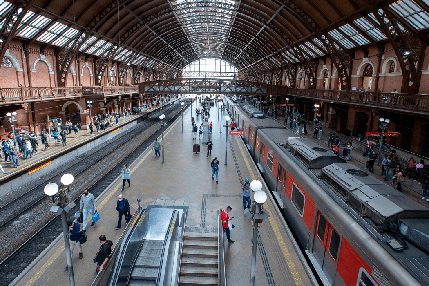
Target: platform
[[185, 180], [56, 149]]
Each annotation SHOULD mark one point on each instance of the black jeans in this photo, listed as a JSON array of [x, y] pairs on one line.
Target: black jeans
[[123, 183]]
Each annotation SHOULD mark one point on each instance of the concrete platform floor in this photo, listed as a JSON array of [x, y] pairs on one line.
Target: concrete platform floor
[[185, 180]]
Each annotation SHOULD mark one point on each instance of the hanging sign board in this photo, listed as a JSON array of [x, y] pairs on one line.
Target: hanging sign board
[[369, 134], [237, 133]]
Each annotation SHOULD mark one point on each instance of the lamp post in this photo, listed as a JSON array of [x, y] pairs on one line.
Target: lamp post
[[161, 117], [316, 108], [89, 104], [182, 114], [257, 214], [226, 137], [12, 122], [383, 126], [62, 205]]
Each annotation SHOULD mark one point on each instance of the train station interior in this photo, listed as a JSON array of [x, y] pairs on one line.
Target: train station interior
[[323, 105]]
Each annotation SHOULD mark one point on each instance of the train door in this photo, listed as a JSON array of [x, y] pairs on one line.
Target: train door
[[261, 152], [325, 248], [281, 181]]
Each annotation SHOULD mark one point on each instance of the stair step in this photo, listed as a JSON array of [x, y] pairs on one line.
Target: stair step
[[200, 250], [148, 261], [193, 280], [201, 260], [142, 283], [145, 273], [199, 271], [200, 255], [194, 243], [186, 237]]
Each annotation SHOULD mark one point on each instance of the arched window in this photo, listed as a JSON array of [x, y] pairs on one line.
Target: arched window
[[325, 74], [7, 63], [392, 67], [368, 71]]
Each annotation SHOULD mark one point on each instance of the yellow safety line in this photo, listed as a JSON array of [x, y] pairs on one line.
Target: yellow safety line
[[274, 226], [105, 200]]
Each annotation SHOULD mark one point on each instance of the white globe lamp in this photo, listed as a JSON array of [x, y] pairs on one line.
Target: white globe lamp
[[260, 197], [256, 185], [67, 179], [51, 189]]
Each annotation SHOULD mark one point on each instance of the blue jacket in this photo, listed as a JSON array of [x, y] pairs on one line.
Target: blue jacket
[[123, 205], [75, 232], [126, 173]]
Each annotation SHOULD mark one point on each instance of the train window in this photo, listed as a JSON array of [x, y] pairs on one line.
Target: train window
[[365, 279], [262, 150], [321, 228], [298, 199], [270, 161], [284, 178], [334, 244], [279, 173]]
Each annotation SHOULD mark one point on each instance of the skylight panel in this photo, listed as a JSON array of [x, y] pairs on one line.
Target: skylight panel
[[354, 35], [314, 49], [412, 13], [96, 46], [52, 32], [340, 38], [103, 49], [31, 28], [4, 7], [308, 51], [87, 43], [369, 28], [66, 37]]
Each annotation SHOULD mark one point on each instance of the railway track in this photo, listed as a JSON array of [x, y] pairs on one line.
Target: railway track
[[23, 255]]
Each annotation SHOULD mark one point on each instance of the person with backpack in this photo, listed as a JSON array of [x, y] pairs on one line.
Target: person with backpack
[[123, 208], [156, 146], [103, 253], [247, 202], [76, 131], [215, 168], [63, 135], [209, 147], [194, 131], [75, 234]]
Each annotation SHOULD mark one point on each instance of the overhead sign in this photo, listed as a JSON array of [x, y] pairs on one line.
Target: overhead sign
[[242, 133], [282, 104], [369, 134], [291, 105]]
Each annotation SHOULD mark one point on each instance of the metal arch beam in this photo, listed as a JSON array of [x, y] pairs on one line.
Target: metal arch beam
[[12, 21], [165, 42]]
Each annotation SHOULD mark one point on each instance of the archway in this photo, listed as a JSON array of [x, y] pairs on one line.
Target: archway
[[367, 77], [72, 111], [361, 123]]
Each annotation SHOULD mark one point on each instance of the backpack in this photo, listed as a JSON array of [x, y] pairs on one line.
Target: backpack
[[82, 237], [110, 244], [215, 166]]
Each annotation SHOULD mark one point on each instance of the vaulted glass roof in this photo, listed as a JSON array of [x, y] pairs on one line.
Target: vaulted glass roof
[[207, 23]]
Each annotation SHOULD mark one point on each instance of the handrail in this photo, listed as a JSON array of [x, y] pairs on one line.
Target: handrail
[[221, 251]]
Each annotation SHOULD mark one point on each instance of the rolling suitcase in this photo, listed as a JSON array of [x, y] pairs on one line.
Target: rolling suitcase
[[196, 148]]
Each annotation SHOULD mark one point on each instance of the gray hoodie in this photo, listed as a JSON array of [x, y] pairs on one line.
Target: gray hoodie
[[87, 202]]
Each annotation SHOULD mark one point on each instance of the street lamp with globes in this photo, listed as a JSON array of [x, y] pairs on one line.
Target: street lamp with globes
[[182, 114], [383, 126], [62, 205], [227, 118], [12, 122], [161, 117], [257, 214]]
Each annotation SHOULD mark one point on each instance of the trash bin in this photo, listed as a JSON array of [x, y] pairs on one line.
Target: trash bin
[[196, 148]]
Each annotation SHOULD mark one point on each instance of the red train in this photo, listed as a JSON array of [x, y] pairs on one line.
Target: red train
[[355, 229]]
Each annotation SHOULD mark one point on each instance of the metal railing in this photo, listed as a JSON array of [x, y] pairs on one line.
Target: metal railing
[[12, 94], [414, 102], [221, 251]]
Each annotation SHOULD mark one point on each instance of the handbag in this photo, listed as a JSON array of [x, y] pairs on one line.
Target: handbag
[[128, 217], [96, 217], [79, 217]]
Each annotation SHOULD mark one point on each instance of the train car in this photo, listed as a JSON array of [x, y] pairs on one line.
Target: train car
[[355, 229]]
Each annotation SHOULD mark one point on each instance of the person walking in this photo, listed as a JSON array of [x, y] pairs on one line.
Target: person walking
[[63, 135], [74, 228], [211, 127], [156, 146], [15, 156], [215, 168], [123, 208], [200, 131], [103, 253], [320, 132], [28, 146], [6, 151], [225, 219], [76, 131], [399, 180], [34, 144], [246, 192], [209, 147], [371, 160], [194, 131], [126, 172], [386, 164], [87, 205]]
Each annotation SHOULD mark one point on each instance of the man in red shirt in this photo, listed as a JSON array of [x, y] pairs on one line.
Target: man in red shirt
[[225, 218]]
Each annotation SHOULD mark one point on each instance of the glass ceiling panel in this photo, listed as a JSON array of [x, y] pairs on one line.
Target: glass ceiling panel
[[103, 49], [314, 49], [96, 46], [31, 28], [52, 32], [354, 35], [340, 38], [88, 42], [369, 28], [206, 23], [65, 37], [412, 12]]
